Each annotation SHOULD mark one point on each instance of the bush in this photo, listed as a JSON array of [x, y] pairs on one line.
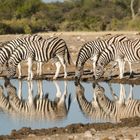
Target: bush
[[5, 29], [134, 24]]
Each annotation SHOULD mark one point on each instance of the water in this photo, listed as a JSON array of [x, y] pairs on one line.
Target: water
[[17, 119]]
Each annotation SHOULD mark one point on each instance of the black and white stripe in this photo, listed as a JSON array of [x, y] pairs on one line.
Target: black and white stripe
[[90, 109], [40, 106], [120, 52], [7, 48], [41, 51], [5, 106], [92, 50], [119, 109]]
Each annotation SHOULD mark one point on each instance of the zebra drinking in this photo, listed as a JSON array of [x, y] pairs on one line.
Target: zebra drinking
[[43, 50], [92, 50], [7, 48], [121, 52]]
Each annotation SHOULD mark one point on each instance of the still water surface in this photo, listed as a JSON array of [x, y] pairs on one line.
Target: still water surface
[[74, 114]]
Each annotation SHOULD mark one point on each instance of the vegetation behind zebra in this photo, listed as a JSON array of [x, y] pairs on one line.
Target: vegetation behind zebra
[[30, 16]]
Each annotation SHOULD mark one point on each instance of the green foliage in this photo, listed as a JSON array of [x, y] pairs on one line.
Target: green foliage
[[28, 8], [31, 16], [134, 24], [4, 28]]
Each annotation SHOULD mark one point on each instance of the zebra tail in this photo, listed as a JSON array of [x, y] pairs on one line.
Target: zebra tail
[[68, 57]]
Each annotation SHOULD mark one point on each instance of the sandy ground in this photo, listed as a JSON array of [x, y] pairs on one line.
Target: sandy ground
[[127, 129]]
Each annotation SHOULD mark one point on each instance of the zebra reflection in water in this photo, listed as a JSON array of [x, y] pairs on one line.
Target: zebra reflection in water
[[122, 107], [5, 106], [90, 109], [40, 106]]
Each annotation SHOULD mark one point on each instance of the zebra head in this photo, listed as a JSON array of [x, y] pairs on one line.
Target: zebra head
[[103, 101], [99, 89], [99, 92], [99, 71]]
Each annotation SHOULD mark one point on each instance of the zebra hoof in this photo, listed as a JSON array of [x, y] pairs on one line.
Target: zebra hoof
[[54, 78], [29, 79], [109, 78], [65, 77], [131, 75]]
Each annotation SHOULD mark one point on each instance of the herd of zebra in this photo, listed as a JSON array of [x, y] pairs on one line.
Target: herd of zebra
[[34, 47]]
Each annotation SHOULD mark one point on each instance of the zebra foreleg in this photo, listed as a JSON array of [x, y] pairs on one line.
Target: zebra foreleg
[[94, 67], [19, 70], [39, 68], [131, 71], [58, 65], [30, 73], [121, 68]]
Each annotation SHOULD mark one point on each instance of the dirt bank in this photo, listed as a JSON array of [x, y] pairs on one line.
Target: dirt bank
[[76, 131]]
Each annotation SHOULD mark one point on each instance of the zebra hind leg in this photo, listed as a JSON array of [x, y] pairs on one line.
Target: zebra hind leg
[[131, 71], [63, 62], [58, 65]]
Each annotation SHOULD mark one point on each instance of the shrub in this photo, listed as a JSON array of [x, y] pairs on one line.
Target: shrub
[[4, 29]]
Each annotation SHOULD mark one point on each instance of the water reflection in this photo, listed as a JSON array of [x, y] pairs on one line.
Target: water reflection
[[104, 108], [122, 108], [47, 104], [5, 105], [90, 108], [38, 106]]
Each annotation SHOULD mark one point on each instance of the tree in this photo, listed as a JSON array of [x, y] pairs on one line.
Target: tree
[[132, 5]]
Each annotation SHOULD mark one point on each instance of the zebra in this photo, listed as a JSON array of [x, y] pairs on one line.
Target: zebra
[[92, 50], [40, 106], [90, 109], [119, 109], [8, 47], [53, 48], [121, 52]]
